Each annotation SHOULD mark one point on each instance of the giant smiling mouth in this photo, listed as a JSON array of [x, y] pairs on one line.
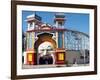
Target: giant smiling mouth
[[46, 59]]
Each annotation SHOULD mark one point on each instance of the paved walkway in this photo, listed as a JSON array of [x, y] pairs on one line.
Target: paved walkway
[[41, 66], [50, 66]]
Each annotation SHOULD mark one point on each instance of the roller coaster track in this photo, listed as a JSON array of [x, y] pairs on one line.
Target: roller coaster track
[[76, 40]]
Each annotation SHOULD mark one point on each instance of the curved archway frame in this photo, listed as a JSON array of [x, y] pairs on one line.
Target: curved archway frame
[[42, 38], [45, 37]]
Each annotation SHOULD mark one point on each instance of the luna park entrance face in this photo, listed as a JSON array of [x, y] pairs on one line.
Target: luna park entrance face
[[46, 53]]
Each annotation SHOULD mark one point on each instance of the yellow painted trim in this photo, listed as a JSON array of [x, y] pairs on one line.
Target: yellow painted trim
[[57, 38], [27, 38], [60, 56], [29, 57], [33, 39]]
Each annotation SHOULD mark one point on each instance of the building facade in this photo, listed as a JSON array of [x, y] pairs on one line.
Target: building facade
[[44, 42]]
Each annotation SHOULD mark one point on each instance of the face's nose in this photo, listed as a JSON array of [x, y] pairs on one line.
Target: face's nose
[[45, 51]]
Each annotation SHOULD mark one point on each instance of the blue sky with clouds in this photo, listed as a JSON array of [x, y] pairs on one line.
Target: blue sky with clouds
[[74, 21]]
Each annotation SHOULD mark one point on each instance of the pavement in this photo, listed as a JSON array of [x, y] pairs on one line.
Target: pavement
[[24, 66]]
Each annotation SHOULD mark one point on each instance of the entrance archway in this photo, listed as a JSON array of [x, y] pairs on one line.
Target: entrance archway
[[45, 47]]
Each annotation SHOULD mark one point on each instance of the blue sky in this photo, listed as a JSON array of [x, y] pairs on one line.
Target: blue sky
[[75, 21]]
